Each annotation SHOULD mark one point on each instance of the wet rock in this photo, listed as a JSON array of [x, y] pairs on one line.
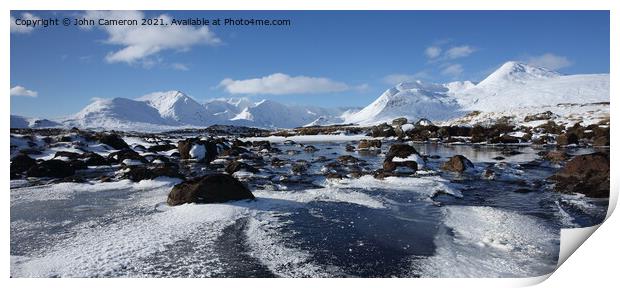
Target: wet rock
[[382, 130], [369, 144], [499, 158], [235, 151], [347, 159], [349, 148], [585, 174], [298, 168], [556, 156], [310, 149], [21, 163], [390, 166], [567, 139], [457, 163], [276, 162], [214, 188], [112, 140], [51, 168], [235, 166], [401, 151]]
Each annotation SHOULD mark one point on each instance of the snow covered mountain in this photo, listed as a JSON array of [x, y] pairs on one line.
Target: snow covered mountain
[[412, 100], [173, 109], [514, 86], [518, 85], [28, 122], [513, 89]]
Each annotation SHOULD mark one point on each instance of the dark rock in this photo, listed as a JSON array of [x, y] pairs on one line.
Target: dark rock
[[185, 146], [401, 151], [122, 155], [235, 166], [399, 121], [585, 174], [161, 148], [499, 158], [112, 140], [234, 151], [276, 162], [347, 159], [567, 139], [382, 130], [547, 115], [214, 188], [94, 159], [51, 168], [555, 156], [21, 163], [457, 163], [298, 168], [310, 149], [601, 141]]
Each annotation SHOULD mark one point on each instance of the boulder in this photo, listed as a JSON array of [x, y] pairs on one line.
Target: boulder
[[112, 140], [235, 166], [555, 156], [567, 139], [400, 151], [399, 121], [161, 148], [94, 159], [369, 144], [586, 174], [139, 173], [310, 149], [51, 168], [124, 154], [21, 163], [457, 163], [197, 149], [382, 130], [214, 188]]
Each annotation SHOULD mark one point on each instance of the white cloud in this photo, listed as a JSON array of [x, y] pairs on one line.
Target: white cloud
[[432, 52], [459, 52], [140, 42], [394, 79], [22, 91], [452, 70], [549, 61], [279, 84], [179, 66], [23, 28]]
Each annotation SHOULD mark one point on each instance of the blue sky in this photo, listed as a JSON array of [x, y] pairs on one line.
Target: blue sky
[[324, 58]]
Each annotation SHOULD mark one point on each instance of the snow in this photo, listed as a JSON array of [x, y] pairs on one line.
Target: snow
[[513, 88], [198, 152], [412, 157], [490, 242], [427, 185], [30, 122], [132, 162], [407, 127]]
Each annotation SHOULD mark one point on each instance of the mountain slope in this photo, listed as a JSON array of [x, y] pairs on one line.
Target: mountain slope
[[412, 100], [27, 122], [514, 86], [178, 107]]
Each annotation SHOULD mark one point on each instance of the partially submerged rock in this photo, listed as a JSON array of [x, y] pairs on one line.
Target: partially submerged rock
[[457, 163], [585, 174], [214, 188], [369, 144]]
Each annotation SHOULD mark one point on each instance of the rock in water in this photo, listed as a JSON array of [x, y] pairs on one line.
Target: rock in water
[[457, 163], [401, 151], [369, 144], [585, 174], [214, 188]]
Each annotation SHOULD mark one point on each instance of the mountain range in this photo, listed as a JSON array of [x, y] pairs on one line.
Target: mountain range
[[514, 85]]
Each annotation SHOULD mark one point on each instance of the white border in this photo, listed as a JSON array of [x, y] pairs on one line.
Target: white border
[[592, 265]]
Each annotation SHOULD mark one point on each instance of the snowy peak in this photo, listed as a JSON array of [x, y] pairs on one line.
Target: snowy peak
[[517, 72], [176, 106]]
